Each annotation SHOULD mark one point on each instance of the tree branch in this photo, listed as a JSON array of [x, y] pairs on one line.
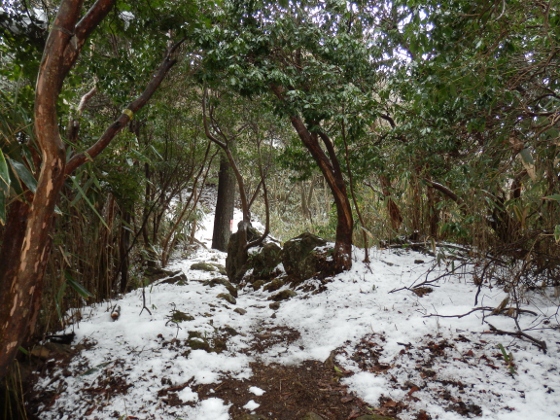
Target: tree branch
[[78, 160]]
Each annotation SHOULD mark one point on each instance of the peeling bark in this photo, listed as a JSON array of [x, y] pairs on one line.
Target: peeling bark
[[24, 259]]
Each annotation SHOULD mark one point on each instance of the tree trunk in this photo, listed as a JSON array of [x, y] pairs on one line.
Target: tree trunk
[[21, 283], [330, 168], [224, 206]]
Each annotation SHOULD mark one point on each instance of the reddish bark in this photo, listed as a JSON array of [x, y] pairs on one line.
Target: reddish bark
[[22, 274], [330, 167]]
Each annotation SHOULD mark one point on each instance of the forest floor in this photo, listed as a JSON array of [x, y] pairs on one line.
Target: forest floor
[[342, 348]]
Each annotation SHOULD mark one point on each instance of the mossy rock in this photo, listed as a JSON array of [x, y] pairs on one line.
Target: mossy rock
[[198, 343], [204, 266], [227, 297], [178, 277], [258, 284], [179, 316], [274, 285], [224, 282], [231, 331], [265, 261], [237, 257], [299, 257], [157, 273], [283, 295]]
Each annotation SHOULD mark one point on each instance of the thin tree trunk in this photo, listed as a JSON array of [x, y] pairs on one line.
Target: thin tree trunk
[[123, 250]]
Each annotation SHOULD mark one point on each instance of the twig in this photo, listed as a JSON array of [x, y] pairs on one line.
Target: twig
[[144, 301], [539, 343], [485, 308]]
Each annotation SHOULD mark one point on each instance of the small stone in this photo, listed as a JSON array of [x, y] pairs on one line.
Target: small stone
[[274, 305], [230, 330], [199, 344], [227, 297], [283, 295], [240, 311]]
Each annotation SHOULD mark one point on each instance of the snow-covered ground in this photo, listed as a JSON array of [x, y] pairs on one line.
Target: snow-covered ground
[[386, 343]]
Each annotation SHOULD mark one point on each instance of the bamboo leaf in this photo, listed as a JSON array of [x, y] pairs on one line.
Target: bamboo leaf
[[76, 285], [553, 197], [87, 201], [24, 174], [4, 174], [4, 187]]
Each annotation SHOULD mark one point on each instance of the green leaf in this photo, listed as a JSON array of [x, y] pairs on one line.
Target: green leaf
[[24, 174], [557, 233], [553, 197], [4, 174], [77, 286], [87, 201], [4, 187]]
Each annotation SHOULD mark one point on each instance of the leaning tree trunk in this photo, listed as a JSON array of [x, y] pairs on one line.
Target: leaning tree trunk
[[21, 280], [330, 168]]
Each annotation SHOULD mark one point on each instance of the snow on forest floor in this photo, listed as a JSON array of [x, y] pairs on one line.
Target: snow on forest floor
[[387, 352]]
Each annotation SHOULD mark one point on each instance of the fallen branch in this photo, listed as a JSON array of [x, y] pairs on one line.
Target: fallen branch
[[485, 308], [520, 334]]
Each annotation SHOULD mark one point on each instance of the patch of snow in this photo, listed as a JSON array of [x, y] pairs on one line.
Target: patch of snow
[[256, 390], [251, 405]]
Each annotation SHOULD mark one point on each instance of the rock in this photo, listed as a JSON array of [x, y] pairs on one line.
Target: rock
[[179, 278], [157, 273], [274, 285], [299, 259], [196, 342], [240, 311], [258, 284], [203, 266], [283, 295], [266, 260], [230, 330], [227, 297], [312, 416], [236, 261], [179, 316], [224, 282], [274, 305]]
